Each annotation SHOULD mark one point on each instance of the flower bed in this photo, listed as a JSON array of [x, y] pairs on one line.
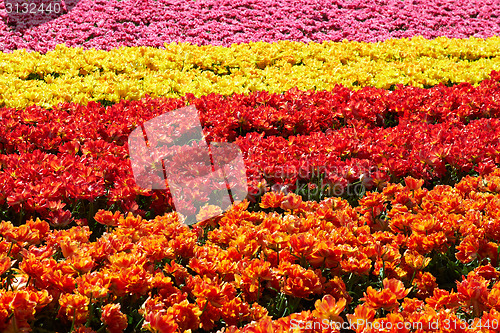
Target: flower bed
[[68, 163], [391, 259], [372, 162], [75, 75]]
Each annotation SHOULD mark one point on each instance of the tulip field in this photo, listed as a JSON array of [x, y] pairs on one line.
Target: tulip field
[[370, 135]]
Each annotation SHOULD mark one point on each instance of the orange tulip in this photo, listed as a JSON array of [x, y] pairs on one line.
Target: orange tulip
[[362, 317], [74, 307], [291, 202], [386, 298], [271, 200], [113, 318], [413, 184], [330, 309]]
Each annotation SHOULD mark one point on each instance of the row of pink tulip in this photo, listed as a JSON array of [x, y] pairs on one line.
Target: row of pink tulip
[[105, 24]]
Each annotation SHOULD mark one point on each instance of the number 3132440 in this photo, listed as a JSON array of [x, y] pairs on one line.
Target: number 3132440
[[33, 8]]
